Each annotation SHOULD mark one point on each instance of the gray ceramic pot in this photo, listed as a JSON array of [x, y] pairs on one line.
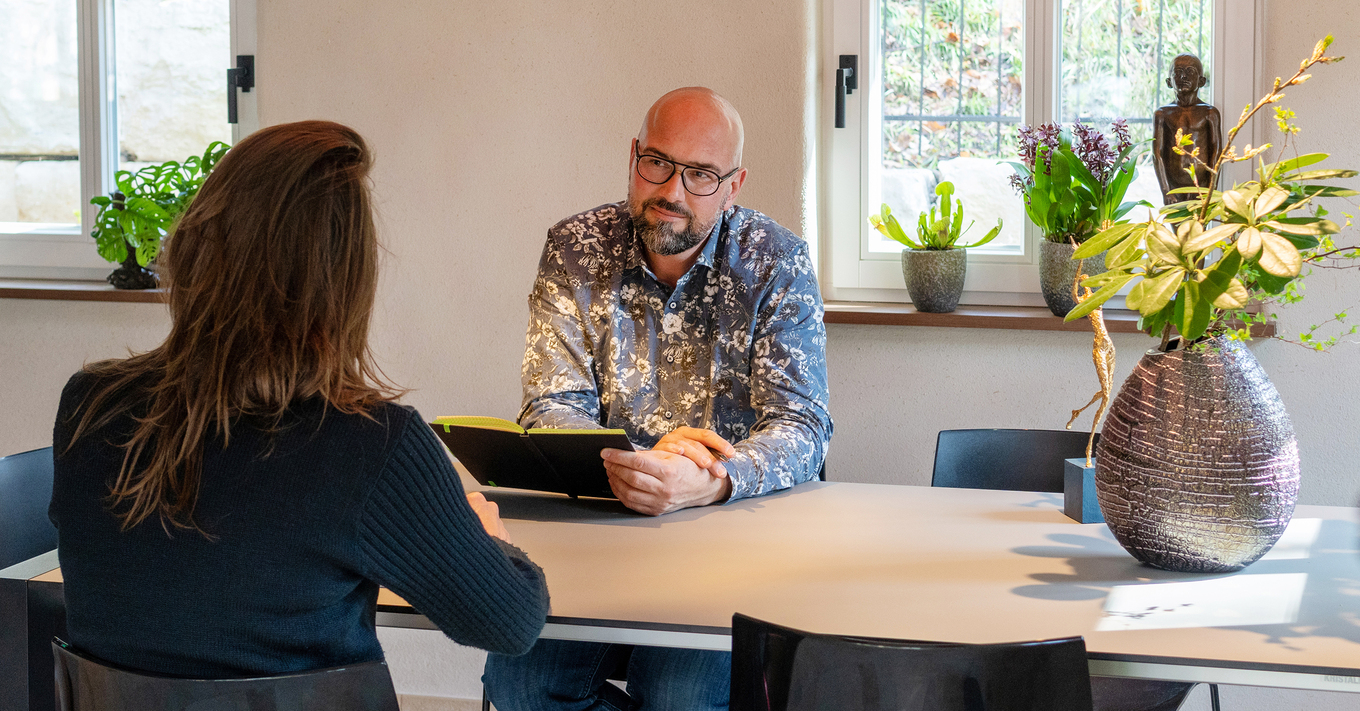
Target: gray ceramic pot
[[1057, 270], [1198, 469], [934, 278]]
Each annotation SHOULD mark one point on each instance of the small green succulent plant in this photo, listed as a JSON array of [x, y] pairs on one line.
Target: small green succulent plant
[[939, 231]]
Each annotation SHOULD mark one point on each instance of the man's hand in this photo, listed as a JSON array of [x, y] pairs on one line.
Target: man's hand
[[656, 482], [698, 445], [490, 514]]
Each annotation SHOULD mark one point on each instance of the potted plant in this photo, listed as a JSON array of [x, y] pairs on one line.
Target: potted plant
[[134, 219], [1074, 185], [934, 264], [1197, 468]]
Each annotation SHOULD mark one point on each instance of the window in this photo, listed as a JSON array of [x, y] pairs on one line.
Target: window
[[94, 86], [944, 86]]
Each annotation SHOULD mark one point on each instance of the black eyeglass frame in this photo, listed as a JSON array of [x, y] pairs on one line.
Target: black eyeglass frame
[[637, 168]]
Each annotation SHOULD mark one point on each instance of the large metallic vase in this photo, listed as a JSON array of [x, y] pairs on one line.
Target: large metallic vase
[[1197, 468]]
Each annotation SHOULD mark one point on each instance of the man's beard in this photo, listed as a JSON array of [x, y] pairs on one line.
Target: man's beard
[[660, 236]]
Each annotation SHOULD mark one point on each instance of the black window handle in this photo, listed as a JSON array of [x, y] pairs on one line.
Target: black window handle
[[242, 77], [846, 82]]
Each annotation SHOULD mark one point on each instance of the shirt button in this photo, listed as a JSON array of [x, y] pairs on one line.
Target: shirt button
[[670, 359], [672, 304], [668, 414]]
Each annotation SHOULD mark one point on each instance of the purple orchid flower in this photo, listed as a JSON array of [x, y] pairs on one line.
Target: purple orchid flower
[[1121, 132], [1094, 150]]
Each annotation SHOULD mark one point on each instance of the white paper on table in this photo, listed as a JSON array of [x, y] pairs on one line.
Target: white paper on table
[[1297, 541], [1231, 601]]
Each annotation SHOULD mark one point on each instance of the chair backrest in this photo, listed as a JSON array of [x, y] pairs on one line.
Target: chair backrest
[[25, 493], [776, 668], [1013, 460], [88, 684]]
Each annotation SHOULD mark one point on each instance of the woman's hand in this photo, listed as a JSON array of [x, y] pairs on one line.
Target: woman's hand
[[490, 514]]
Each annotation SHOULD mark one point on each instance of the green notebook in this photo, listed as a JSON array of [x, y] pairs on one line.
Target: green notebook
[[500, 453]]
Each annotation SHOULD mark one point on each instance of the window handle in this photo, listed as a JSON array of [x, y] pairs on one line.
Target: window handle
[[846, 83], [242, 77]]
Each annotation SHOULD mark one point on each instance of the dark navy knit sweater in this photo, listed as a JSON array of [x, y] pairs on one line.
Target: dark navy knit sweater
[[306, 525]]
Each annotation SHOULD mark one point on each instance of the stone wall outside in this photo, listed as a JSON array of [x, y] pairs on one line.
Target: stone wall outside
[[171, 78]]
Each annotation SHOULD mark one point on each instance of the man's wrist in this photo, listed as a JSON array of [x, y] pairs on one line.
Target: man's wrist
[[724, 490]]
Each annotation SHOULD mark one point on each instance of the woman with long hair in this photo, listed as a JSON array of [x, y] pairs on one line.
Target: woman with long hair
[[229, 502]]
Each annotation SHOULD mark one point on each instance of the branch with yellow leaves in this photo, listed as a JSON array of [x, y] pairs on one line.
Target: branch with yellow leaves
[[1229, 155]]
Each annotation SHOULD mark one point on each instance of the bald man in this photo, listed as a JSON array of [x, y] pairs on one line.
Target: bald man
[[695, 325]]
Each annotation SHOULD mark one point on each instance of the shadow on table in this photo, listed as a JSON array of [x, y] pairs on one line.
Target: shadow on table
[[1044, 507], [1330, 602], [1097, 562], [519, 505]]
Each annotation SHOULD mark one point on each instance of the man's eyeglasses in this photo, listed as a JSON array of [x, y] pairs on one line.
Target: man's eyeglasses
[[700, 182]]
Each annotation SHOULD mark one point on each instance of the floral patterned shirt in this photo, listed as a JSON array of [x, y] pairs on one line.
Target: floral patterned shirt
[[737, 347]]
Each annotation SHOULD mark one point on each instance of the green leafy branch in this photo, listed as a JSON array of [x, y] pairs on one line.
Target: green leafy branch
[[1193, 276]]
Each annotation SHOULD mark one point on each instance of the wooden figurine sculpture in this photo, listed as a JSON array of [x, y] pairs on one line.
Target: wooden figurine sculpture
[[1190, 117], [1102, 353]]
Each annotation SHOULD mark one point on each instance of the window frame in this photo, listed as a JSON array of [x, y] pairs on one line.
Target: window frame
[[852, 27], [42, 252]]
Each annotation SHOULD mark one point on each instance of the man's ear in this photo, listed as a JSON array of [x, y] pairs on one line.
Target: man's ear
[[1203, 80], [1168, 83], [736, 182]]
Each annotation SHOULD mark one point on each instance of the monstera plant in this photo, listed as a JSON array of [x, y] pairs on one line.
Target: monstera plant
[[134, 220]]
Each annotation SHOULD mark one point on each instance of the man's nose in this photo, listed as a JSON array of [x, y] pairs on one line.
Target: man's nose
[[674, 189]]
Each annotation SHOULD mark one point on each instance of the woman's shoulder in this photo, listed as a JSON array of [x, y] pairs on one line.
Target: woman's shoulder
[[91, 383], [371, 436]]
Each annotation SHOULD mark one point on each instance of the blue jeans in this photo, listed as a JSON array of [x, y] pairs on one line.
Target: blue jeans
[[557, 675]]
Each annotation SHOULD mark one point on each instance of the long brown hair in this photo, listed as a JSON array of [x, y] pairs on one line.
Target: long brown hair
[[271, 275]]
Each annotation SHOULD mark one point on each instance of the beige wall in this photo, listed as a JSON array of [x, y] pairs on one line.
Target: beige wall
[[491, 121]]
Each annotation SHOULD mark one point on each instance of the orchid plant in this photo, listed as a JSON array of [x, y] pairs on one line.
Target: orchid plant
[[1195, 269], [1074, 183]]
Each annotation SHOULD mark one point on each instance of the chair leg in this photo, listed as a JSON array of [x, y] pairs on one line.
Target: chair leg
[[486, 703], [1213, 696]]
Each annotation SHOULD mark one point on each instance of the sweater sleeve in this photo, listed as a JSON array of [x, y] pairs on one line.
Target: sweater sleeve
[[419, 537]]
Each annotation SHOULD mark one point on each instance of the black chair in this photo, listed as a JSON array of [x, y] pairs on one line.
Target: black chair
[[1011, 460], [1032, 460], [25, 492], [776, 668], [88, 684]]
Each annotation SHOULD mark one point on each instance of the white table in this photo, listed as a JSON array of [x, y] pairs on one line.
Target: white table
[[882, 561], [908, 562]]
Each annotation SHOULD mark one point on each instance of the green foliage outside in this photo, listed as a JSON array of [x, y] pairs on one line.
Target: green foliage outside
[[940, 231], [947, 57], [141, 212]]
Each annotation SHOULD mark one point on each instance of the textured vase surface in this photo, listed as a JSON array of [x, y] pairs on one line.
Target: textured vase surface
[[1057, 269], [934, 278], [1197, 469]]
